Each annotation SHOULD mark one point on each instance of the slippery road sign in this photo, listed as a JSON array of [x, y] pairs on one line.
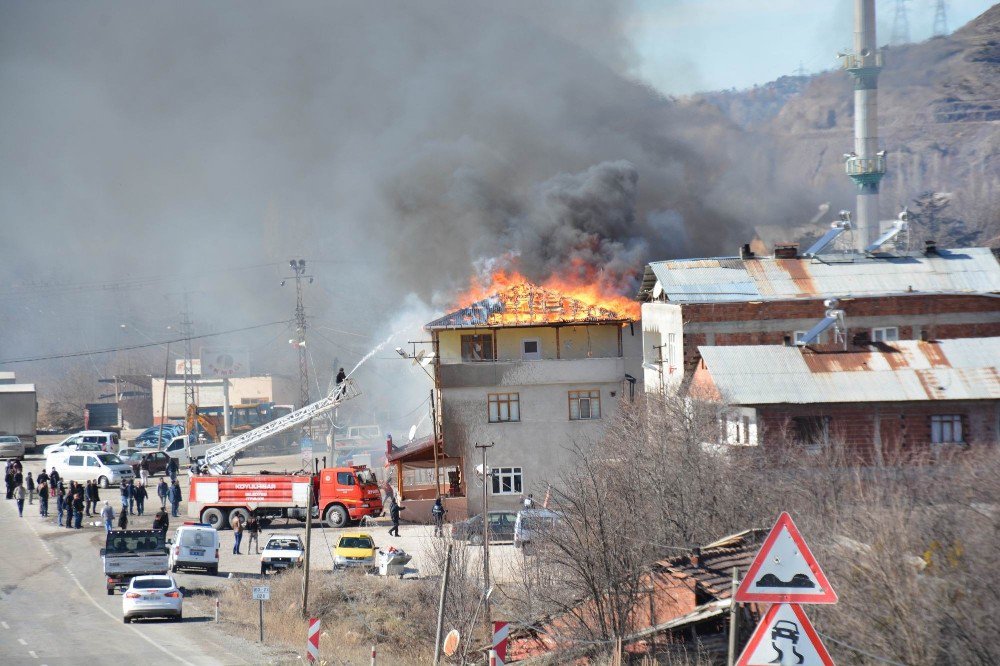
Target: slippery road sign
[[785, 570], [785, 636]]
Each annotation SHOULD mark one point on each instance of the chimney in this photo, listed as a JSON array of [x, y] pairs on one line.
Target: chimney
[[788, 341], [930, 247], [746, 252], [786, 251], [695, 556]]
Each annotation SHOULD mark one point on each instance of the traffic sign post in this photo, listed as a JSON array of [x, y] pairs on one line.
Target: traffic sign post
[[312, 640], [262, 594], [785, 636]]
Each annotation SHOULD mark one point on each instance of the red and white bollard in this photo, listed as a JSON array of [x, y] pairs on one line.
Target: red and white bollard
[[373, 655], [216, 610], [312, 641], [493, 658]]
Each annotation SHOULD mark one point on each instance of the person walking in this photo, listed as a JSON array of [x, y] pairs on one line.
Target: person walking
[[108, 516], [162, 490], [43, 499], [126, 493], [18, 476], [236, 522], [19, 498], [253, 534], [30, 486], [140, 494], [144, 469], [437, 512], [123, 519], [175, 499], [161, 521], [131, 496], [78, 508], [60, 502], [394, 510], [172, 468]]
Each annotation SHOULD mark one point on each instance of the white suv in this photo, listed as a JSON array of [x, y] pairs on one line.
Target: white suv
[[91, 440], [105, 468], [195, 546]]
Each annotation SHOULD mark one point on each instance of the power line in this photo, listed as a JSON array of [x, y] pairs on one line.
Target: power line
[[111, 350]]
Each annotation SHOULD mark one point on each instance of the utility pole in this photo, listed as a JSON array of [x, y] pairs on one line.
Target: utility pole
[[444, 593], [487, 479], [163, 402], [298, 267], [187, 331], [732, 619], [305, 577]]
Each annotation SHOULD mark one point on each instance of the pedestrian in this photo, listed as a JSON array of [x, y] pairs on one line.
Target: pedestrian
[[437, 512], [19, 498], [78, 508], [123, 519], [253, 533], [126, 493], [140, 494], [131, 496], [54, 477], [161, 521], [108, 515], [18, 476], [30, 483], [8, 479], [162, 490], [394, 510], [43, 499], [144, 469], [236, 522], [95, 495], [86, 498], [175, 499], [60, 502], [42, 477], [172, 467]]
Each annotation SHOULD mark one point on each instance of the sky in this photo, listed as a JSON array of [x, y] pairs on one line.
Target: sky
[[686, 46]]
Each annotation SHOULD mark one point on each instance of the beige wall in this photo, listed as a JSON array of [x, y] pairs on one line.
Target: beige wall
[[208, 392], [662, 347]]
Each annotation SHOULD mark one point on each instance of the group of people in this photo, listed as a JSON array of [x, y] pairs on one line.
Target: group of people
[[251, 527]]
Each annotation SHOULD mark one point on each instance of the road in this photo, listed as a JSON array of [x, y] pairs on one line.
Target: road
[[54, 608]]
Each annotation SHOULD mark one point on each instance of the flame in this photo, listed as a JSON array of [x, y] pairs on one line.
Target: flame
[[577, 296]]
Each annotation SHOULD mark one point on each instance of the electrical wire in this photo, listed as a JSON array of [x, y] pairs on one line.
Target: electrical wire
[[111, 350]]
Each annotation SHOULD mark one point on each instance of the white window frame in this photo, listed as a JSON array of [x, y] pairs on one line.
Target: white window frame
[[531, 356], [592, 398], [798, 335], [511, 477], [947, 429], [507, 407], [884, 332]]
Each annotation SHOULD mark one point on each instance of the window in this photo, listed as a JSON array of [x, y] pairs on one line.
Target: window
[[345, 478], [506, 480], [584, 405], [887, 334], [531, 349], [671, 341], [809, 431], [504, 407], [477, 347], [75, 461], [92, 462], [797, 336], [946, 429]]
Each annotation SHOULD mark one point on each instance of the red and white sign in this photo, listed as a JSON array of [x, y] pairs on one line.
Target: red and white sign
[[785, 636], [312, 641], [500, 632], [785, 571]]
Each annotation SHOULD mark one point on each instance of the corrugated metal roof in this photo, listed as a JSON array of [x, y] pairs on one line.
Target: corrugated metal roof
[[17, 388], [965, 369], [970, 270]]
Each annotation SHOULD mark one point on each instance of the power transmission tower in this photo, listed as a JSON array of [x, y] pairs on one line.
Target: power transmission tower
[[187, 330], [941, 18], [900, 24], [298, 267], [801, 70]]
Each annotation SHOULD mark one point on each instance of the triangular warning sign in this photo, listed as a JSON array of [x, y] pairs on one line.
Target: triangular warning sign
[[785, 570], [785, 636]]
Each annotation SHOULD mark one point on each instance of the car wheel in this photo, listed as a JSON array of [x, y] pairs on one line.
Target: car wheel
[[111, 592], [214, 518], [103, 482], [173, 569], [213, 571], [336, 516], [180, 617]]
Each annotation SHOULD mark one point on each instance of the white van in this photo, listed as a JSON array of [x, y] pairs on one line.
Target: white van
[[196, 546], [105, 468], [89, 440]]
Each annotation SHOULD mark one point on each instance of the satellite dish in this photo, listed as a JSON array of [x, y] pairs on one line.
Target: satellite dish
[[419, 357], [427, 359], [657, 289], [451, 642], [413, 432]]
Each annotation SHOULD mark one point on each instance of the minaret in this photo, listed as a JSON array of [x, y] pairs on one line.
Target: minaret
[[866, 165]]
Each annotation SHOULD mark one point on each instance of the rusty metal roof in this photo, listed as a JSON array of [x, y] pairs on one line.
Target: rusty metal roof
[[909, 370], [969, 271]]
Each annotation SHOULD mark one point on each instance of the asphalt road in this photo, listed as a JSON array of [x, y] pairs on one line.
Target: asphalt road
[[54, 608]]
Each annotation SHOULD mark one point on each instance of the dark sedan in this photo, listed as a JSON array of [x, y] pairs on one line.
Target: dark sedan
[[501, 527], [158, 461]]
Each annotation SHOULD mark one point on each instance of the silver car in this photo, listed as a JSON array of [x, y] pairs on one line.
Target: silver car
[[11, 447]]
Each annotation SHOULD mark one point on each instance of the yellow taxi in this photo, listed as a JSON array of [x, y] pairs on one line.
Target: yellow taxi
[[355, 549]]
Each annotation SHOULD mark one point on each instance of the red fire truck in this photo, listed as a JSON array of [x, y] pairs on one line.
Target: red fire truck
[[340, 495]]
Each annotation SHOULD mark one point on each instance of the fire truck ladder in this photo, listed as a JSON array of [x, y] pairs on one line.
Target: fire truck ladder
[[219, 459]]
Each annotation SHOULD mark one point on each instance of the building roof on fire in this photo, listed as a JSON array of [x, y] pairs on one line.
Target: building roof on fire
[[526, 305], [973, 270], [904, 371]]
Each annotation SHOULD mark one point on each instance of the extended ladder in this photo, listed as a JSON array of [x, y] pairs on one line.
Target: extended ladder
[[219, 459]]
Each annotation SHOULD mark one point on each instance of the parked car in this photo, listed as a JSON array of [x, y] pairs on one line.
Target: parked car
[[281, 552], [530, 523], [355, 549], [11, 447], [195, 546], [152, 596], [87, 440], [158, 461], [105, 468], [126, 452], [471, 530], [151, 438]]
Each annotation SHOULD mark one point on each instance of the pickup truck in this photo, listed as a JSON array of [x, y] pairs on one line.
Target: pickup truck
[[130, 553], [179, 448]]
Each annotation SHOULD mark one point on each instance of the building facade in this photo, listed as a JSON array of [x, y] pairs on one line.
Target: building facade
[[208, 393]]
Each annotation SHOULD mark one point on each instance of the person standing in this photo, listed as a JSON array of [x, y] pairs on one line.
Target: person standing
[[95, 495], [144, 469], [172, 469], [18, 476], [126, 493], [108, 515], [30, 483], [529, 501], [43, 499], [175, 499], [60, 502], [86, 497], [437, 512], [54, 478], [161, 521], [42, 477], [253, 533], [78, 507], [236, 522], [8, 479], [140, 494], [123, 519], [19, 498], [131, 496], [162, 490]]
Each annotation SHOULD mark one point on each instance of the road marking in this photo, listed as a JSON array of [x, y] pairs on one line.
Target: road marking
[[22, 641]]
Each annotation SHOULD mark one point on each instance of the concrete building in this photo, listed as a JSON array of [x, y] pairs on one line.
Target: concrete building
[[904, 397], [208, 393], [532, 371], [750, 300]]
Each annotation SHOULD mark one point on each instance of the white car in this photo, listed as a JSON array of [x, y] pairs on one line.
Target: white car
[[195, 547], [105, 468], [281, 552], [11, 447], [152, 596], [92, 440]]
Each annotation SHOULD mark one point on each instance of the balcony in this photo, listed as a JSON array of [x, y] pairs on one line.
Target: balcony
[[854, 62], [865, 170], [527, 373]]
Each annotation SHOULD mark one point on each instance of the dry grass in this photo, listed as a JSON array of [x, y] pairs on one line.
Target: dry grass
[[356, 611]]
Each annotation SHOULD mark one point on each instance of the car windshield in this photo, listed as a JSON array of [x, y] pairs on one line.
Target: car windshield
[[197, 538], [9, 440], [152, 583], [132, 542], [367, 478], [355, 542], [283, 544], [109, 459]]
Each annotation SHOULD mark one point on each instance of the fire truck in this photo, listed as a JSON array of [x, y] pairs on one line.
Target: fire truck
[[339, 494]]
